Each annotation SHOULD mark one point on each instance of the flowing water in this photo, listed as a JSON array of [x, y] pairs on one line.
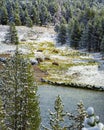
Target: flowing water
[[70, 98]]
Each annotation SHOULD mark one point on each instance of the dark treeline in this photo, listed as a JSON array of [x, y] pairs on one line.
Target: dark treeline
[[30, 12]]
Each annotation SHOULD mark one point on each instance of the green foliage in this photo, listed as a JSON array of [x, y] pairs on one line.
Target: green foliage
[[4, 15], [2, 113], [28, 21], [17, 19], [13, 34], [46, 12], [57, 117], [62, 34], [102, 47], [19, 95], [75, 35]]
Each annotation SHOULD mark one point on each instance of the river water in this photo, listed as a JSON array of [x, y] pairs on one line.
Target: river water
[[70, 98]]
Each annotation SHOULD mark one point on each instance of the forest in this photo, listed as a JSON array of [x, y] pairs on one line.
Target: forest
[[79, 24]]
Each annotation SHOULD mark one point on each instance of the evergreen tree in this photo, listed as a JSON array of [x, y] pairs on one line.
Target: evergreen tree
[[52, 7], [10, 11], [62, 34], [34, 14], [84, 38], [4, 16], [2, 113], [57, 117], [75, 35], [19, 95], [90, 36], [77, 119], [17, 20], [28, 21], [13, 34], [43, 15], [22, 16], [102, 48]]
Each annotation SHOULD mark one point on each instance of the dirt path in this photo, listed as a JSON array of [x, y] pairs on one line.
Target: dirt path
[[38, 73]]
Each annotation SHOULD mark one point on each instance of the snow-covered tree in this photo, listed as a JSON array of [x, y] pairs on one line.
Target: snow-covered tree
[[77, 118], [19, 95], [92, 122], [57, 117]]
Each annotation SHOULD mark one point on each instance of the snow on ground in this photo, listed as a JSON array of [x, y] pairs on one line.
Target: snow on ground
[[25, 34], [88, 75], [46, 37], [6, 48]]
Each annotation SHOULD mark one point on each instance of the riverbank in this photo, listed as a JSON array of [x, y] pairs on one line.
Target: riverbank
[[75, 85]]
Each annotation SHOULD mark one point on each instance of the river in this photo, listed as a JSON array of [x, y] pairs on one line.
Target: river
[[70, 98]]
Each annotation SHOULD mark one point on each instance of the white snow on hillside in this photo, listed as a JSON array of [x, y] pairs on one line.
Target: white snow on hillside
[[87, 75]]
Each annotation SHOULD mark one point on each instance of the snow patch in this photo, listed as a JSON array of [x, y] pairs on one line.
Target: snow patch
[[87, 75]]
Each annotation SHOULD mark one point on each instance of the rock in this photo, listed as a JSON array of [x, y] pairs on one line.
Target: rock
[[39, 50], [39, 60], [46, 58], [39, 56], [33, 62], [55, 63], [3, 60]]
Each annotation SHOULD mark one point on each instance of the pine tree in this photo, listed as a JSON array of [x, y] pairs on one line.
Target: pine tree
[[19, 95], [102, 48], [28, 21], [10, 11], [75, 35], [22, 16], [13, 34], [57, 117], [79, 119], [62, 34], [43, 15], [4, 16], [84, 38], [2, 113], [17, 20], [34, 15], [87, 37]]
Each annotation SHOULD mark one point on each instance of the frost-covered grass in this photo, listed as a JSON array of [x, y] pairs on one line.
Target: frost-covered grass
[[64, 59]]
